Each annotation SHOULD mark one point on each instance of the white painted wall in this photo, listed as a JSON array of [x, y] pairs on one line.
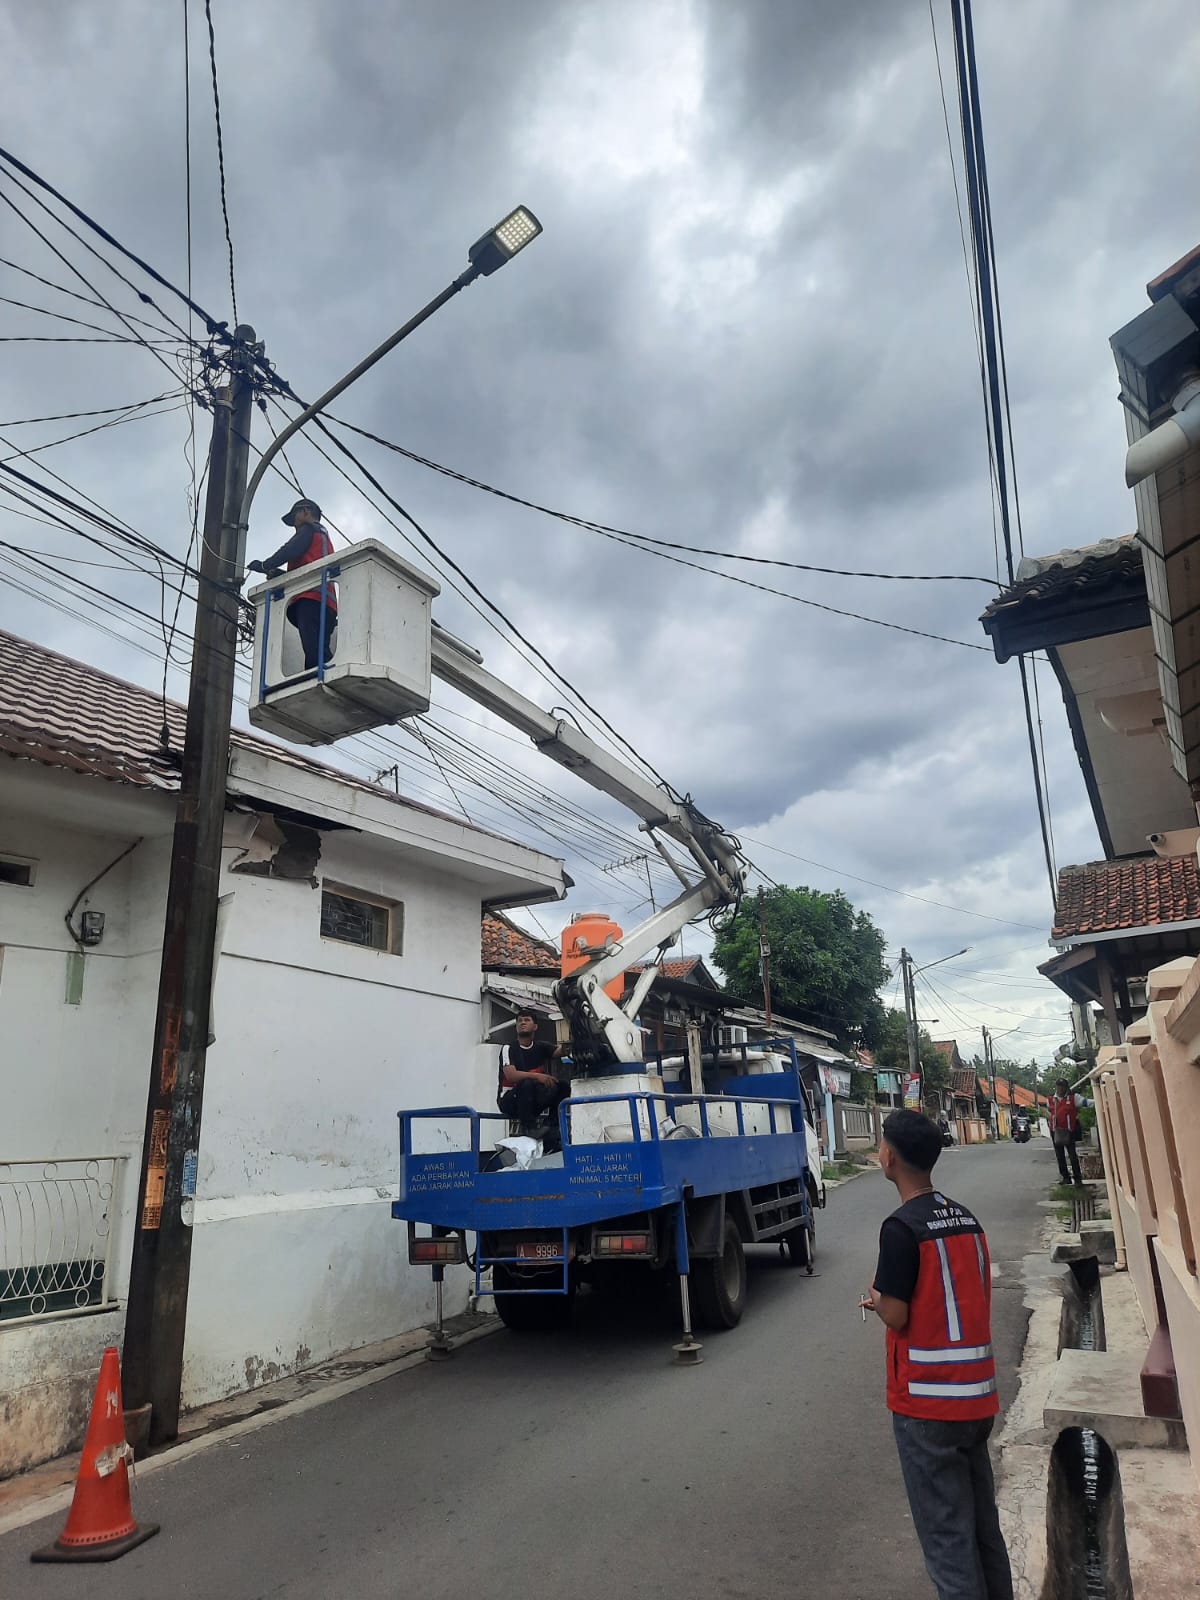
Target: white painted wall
[[319, 1044]]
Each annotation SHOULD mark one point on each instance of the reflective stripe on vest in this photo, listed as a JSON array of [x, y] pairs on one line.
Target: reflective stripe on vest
[[954, 1391], [319, 546], [958, 1352]]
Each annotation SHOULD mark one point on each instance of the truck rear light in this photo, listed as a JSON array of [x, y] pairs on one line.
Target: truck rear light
[[621, 1244], [437, 1252]]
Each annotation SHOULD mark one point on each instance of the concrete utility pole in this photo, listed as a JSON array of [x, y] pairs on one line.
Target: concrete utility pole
[[910, 1025], [764, 957], [991, 1073], [162, 1247]]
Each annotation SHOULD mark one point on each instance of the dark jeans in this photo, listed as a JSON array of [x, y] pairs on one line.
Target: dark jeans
[[530, 1097], [1062, 1151], [305, 615], [948, 1475]]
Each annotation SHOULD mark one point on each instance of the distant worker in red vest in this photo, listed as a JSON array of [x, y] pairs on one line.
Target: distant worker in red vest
[[1064, 1128], [309, 543], [933, 1291]]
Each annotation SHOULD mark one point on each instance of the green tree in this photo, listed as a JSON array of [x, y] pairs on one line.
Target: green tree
[[826, 960], [891, 1052]]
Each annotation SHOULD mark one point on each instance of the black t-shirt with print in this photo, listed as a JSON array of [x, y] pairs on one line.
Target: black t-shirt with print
[[525, 1057]]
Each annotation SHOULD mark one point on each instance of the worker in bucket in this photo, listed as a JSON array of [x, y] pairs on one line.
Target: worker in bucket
[[933, 1292], [528, 1087], [310, 542]]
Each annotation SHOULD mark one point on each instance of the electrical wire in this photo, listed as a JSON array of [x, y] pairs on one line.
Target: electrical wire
[[650, 547], [104, 411], [136, 413], [54, 250], [514, 638], [839, 872], [84, 299], [592, 526], [975, 168], [212, 56], [215, 329]]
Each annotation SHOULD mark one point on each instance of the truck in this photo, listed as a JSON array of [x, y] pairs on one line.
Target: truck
[[652, 1168]]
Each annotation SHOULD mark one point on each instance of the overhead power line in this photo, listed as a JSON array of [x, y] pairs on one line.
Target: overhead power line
[[996, 398], [590, 525], [839, 872], [212, 57], [215, 329]]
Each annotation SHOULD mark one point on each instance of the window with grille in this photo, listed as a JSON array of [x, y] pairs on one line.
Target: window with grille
[[364, 920]]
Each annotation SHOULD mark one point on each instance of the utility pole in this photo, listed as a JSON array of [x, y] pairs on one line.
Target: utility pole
[[764, 956], [910, 1025], [162, 1247], [991, 1073]]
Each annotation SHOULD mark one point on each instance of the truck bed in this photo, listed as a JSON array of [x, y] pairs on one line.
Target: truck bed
[[449, 1189]]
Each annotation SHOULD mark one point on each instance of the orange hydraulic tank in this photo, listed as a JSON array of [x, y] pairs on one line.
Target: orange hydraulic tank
[[587, 932]]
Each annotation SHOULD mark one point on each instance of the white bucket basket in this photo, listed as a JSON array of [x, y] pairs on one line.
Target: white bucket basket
[[378, 668]]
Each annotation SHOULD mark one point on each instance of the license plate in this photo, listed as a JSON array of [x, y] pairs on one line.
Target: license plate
[[539, 1250]]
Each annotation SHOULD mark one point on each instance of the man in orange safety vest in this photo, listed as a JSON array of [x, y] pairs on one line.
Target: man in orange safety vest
[[933, 1292], [309, 543]]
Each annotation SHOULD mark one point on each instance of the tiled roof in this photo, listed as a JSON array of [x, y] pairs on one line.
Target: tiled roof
[[62, 713], [507, 948], [1071, 571], [1105, 896], [1008, 1094], [685, 969], [962, 1082]]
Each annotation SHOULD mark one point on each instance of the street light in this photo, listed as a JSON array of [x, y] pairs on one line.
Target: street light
[[966, 950], [487, 255], [504, 241]]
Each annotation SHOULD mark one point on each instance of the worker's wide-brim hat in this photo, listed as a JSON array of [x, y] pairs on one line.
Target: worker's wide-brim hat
[[290, 518]]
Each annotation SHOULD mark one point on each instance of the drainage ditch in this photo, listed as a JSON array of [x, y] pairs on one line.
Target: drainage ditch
[[1085, 1521]]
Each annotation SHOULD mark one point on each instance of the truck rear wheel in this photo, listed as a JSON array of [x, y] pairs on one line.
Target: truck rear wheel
[[531, 1313], [718, 1283]]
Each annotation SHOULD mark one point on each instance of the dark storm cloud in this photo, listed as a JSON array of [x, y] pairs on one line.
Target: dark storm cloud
[[747, 326]]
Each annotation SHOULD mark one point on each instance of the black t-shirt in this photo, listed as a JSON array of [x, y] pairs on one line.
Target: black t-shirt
[[899, 1252], [525, 1057]]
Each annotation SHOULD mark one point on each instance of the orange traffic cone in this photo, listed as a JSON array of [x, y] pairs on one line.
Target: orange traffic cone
[[100, 1525]]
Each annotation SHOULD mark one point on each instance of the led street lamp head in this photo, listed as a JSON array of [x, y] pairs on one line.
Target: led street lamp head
[[502, 243]]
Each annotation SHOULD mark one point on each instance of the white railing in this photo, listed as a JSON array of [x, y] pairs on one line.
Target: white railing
[[56, 1237]]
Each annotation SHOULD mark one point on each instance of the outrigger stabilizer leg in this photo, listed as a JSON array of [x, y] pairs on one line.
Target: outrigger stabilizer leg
[[687, 1351], [440, 1348]]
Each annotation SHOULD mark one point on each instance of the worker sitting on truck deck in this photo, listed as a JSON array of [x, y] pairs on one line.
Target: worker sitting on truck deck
[[527, 1087]]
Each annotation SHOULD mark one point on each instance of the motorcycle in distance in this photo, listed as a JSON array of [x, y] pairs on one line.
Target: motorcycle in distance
[[1020, 1130]]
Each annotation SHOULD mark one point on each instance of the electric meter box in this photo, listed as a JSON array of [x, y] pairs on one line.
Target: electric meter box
[[375, 611]]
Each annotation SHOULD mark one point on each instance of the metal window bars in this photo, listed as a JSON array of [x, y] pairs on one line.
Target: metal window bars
[[56, 1236]]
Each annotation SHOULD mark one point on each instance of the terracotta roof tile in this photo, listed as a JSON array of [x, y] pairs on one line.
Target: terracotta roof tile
[[1105, 896], [1071, 571], [507, 948], [62, 713]]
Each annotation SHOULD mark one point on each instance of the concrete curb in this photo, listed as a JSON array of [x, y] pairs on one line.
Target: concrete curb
[[60, 1499], [836, 1183]]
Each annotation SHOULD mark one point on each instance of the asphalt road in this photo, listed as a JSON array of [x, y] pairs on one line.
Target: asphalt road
[[581, 1466]]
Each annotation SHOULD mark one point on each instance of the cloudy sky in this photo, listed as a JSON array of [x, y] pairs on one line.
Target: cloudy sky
[[746, 327]]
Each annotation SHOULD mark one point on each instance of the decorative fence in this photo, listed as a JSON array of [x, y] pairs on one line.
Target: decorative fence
[[56, 1236]]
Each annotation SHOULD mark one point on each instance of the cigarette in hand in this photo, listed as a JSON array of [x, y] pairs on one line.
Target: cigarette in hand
[[863, 1309]]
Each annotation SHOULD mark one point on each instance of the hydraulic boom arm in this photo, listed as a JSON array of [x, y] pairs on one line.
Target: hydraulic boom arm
[[603, 1032]]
